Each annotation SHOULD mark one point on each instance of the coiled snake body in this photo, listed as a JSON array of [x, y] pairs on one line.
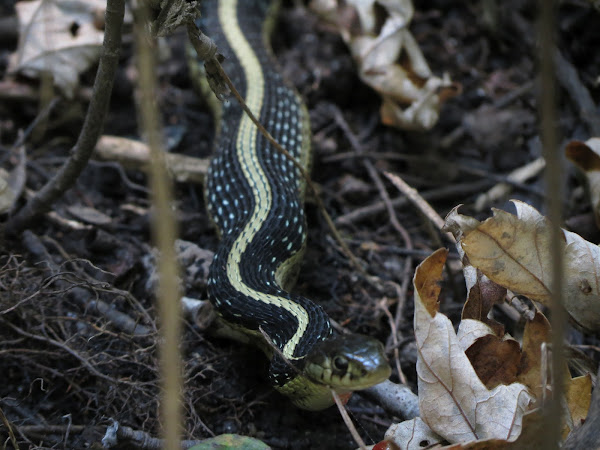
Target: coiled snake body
[[255, 197]]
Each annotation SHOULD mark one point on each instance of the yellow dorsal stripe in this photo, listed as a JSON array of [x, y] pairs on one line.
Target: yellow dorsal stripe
[[257, 179]]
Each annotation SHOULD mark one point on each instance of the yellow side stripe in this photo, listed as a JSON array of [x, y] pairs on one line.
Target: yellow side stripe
[[255, 176]]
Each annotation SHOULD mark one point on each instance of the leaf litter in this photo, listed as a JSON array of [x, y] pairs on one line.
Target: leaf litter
[[214, 395], [476, 386]]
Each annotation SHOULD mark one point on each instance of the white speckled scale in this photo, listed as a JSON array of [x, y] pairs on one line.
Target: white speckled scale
[[255, 194]]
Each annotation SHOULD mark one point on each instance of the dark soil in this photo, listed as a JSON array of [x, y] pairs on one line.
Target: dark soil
[[68, 372]]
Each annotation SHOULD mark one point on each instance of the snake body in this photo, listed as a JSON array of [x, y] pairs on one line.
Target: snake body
[[255, 198]]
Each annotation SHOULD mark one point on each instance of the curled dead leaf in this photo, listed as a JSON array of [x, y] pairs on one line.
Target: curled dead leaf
[[532, 437], [389, 59], [427, 280], [482, 293], [514, 252], [469, 330], [453, 401]]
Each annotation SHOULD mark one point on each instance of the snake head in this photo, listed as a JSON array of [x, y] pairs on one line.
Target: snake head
[[348, 362]]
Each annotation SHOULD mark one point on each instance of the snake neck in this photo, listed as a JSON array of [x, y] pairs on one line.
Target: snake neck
[[254, 194]]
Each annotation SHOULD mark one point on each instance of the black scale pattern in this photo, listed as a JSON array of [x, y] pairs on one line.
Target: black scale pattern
[[231, 197]]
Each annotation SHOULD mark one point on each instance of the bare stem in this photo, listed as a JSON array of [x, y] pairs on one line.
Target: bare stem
[[164, 232], [554, 185], [90, 132]]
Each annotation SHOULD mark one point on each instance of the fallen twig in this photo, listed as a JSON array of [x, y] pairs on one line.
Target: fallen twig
[[365, 212], [138, 439], [396, 399], [580, 95], [419, 202], [521, 174], [136, 155]]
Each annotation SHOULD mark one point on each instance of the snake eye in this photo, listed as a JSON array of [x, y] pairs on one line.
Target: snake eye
[[340, 363]]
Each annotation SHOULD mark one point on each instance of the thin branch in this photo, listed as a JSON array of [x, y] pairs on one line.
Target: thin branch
[[85, 362], [354, 142], [8, 426], [348, 421], [67, 175], [394, 336], [417, 200], [554, 190], [461, 189], [164, 230]]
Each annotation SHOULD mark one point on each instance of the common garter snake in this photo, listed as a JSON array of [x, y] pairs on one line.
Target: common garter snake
[[255, 197]]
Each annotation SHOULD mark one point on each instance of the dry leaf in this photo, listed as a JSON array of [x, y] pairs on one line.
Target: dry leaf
[[469, 330], [514, 251], [412, 434], [495, 360], [579, 397], [61, 37], [536, 333], [389, 59], [482, 293], [586, 156], [494, 129], [532, 437], [453, 401]]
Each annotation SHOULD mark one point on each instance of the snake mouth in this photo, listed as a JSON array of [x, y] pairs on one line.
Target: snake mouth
[[348, 363]]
